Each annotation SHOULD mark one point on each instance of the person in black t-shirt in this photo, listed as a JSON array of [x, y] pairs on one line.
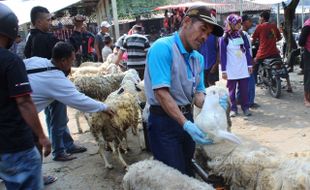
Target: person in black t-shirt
[[99, 39], [20, 161]]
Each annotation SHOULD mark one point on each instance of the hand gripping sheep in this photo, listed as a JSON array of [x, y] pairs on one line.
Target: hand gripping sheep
[[212, 119], [248, 165]]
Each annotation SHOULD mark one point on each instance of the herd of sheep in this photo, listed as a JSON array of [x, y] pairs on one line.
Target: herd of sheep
[[243, 163]]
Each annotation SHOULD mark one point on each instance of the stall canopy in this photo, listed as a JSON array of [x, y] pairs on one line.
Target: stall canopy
[[22, 8], [188, 4], [266, 2]]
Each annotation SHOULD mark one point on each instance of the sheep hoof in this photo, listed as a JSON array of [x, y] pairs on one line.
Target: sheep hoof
[[109, 166]]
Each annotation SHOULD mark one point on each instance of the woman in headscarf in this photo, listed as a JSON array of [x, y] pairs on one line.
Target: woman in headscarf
[[236, 63]]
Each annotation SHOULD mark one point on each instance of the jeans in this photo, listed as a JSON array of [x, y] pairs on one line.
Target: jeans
[[170, 143], [56, 120], [22, 170]]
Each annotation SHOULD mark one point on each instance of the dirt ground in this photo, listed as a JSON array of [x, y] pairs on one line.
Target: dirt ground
[[281, 124]]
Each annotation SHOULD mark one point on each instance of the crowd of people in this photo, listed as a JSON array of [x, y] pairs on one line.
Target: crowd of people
[[176, 70]]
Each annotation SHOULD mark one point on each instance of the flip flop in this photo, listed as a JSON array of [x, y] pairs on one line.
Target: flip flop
[[49, 179]]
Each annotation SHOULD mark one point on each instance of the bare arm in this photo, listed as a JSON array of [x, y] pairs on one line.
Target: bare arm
[[199, 99], [30, 115], [169, 105], [119, 57]]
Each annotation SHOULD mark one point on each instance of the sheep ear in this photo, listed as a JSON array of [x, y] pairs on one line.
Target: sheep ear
[[137, 88], [120, 91]]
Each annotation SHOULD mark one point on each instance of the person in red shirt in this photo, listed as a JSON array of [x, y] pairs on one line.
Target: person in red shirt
[[267, 34]]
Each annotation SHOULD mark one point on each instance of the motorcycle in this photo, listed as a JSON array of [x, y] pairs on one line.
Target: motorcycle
[[270, 73]]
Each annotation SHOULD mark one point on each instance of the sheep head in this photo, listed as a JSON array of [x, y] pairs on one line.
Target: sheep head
[[213, 118]]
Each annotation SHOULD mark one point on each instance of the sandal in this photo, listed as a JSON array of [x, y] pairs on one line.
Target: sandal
[[48, 179], [64, 157]]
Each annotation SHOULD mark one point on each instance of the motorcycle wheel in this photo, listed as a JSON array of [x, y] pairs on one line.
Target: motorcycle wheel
[[275, 87]]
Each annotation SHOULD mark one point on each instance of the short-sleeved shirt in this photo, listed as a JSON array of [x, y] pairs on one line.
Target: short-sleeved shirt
[[268, 34], [136, 46], [15, 134], [170, 65]]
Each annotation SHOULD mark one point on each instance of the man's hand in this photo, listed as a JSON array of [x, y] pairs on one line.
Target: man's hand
[[109, 111], [224, 102], [197, 135], [250, 70], [46, 144], [224, 76]]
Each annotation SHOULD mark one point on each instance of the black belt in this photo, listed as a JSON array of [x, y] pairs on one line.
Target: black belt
[[160, 111]]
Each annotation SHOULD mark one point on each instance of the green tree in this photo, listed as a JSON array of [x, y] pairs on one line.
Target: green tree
[[134, 8]]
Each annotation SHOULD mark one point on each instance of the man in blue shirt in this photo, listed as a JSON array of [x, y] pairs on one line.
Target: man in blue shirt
[[173, 82]]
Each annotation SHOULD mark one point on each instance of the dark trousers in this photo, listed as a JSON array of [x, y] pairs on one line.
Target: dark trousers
[[170, 143], [243, 86]]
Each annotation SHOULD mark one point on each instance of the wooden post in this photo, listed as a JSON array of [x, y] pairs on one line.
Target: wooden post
[[115, 19]]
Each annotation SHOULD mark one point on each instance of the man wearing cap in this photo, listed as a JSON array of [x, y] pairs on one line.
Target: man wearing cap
[[99, 39], [173, 82]]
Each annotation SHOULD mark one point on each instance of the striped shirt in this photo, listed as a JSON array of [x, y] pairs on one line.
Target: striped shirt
[[136, 46]]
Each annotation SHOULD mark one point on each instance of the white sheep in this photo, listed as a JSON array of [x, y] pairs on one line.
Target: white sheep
[[213, 118], [94, 64], [249, 165], [104, 69], [125, 102], [155, 175]]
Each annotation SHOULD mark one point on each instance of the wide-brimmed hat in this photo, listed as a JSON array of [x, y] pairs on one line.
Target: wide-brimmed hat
[[203, 13]]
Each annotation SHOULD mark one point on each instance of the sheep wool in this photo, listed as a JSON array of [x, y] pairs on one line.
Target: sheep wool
[[212, 119], [125, 102], [99, 87], [155, 175], [94, 64]]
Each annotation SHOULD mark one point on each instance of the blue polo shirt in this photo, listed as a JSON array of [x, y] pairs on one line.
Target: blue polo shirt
[[170, 65]]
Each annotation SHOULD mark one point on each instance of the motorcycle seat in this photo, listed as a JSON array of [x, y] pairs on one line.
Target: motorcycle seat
[[272, 61]]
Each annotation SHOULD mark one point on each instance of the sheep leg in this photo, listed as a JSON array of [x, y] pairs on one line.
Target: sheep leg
[[112, 145], [141, 139], [120, 157], [77, 116], [101, 152], [124, 145]]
